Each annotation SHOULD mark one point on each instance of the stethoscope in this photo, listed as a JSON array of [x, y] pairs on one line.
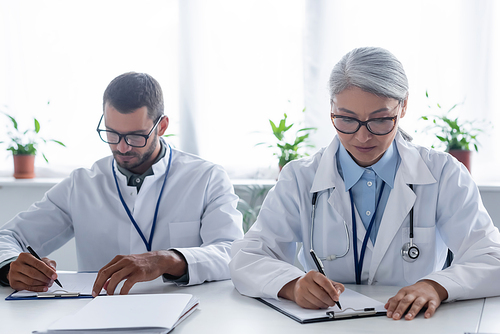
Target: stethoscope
[[410, 251], [138, 229]]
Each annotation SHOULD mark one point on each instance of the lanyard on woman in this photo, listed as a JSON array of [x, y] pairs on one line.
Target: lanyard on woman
[[358, 262], [146, 242]]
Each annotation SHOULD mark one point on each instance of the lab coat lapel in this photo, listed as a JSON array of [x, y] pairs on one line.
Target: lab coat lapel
[[399, 204], [412, 170], [327, 175], [339, 199]]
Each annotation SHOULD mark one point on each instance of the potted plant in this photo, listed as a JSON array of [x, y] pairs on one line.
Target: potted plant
[[250, 202], [458, 136], [289, 147], [24, 146]]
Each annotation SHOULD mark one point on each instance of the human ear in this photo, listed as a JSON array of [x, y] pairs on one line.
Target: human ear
[[163, 125], [404, 104]]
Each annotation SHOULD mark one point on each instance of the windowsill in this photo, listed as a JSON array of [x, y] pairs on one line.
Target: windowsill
[[49, 182], [36, 182]]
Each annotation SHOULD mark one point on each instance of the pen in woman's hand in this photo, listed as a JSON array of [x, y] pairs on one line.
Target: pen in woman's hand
[[321, 269], [38, 257]]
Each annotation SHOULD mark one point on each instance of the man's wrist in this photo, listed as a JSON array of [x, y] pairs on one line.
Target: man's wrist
[[174, 265]]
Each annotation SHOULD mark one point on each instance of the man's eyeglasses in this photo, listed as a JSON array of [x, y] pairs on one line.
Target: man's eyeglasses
[[377, 126], [134, 140]]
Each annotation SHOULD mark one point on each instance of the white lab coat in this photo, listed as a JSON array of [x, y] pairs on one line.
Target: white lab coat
[[197, 216], [448, 213]]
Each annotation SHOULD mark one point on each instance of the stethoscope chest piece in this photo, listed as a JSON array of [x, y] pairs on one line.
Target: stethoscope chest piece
[[410, 252]]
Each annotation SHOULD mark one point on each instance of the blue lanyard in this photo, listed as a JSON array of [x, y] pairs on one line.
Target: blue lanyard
[[148, 244], [358, 262]]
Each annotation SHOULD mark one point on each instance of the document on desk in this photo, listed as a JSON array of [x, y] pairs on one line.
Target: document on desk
[[156, 313], [354, 305], [76, 285]]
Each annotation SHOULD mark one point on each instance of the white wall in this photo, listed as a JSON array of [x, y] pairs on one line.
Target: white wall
[[16, 196]]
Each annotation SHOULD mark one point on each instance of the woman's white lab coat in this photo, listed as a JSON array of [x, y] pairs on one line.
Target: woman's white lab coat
[[197, 216], [448, 212]]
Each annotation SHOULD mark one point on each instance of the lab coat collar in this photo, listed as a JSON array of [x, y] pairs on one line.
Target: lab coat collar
[[413, 169], [159, 168], [327, 172]]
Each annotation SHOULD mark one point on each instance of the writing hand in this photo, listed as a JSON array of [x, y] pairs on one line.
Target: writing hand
[[138, 268], [425, 293], [29, 273], [312, 291]]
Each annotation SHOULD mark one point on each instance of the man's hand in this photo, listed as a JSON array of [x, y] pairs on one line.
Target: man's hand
[[29, 273], [138, 268], [313, 291], [425, 293]]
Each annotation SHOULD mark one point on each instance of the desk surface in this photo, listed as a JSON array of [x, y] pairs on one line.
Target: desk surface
[[223, 310]]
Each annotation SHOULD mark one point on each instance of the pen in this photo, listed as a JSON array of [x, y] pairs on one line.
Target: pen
[[38, 257], [321, 269]]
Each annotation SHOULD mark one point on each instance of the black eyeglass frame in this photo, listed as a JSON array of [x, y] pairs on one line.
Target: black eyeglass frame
[[365, 123], [120, 136]]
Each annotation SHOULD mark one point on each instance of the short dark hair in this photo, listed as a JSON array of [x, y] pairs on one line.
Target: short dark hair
[[130, 91]]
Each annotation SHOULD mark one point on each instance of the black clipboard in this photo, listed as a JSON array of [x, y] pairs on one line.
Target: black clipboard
[[355, 305], [47, 295]]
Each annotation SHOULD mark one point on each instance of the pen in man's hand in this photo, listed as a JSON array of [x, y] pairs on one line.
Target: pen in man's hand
[[38, 257], [321, 269]]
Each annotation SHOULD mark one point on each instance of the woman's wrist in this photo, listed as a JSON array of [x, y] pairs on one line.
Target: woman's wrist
[[288, 290]]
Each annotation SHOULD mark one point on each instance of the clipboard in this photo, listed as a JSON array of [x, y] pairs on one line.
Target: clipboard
[[76, 285], [60, 293], [355, 305]]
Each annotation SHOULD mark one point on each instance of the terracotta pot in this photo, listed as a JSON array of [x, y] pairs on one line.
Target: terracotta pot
[[463, 156], [24, 166]]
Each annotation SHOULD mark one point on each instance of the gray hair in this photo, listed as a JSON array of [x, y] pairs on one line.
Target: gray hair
[[374, 70]]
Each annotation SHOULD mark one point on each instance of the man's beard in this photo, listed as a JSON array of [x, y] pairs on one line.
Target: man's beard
[[141, 159]]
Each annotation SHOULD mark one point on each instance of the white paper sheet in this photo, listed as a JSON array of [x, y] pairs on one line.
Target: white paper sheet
[[126, 313]]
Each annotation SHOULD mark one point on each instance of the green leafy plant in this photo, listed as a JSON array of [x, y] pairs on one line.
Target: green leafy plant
[[453, 133], [250, 202], [26, 142], [289, 148]]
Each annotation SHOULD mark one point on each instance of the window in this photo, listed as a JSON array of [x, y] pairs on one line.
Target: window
[[227, 67]]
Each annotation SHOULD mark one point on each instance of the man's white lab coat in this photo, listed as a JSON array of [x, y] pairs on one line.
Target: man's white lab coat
[[197, 216]]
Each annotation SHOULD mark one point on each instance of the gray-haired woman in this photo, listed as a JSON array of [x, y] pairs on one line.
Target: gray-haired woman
[[375, 209]]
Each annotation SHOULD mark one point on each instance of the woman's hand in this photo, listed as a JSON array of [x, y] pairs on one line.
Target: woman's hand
[[313, 291], [425, 293]]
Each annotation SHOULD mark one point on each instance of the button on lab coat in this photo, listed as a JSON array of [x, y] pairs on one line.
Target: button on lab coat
[[197, 216], [448, 212]]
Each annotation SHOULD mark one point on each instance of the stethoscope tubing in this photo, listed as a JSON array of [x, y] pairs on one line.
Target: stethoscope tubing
[[313, 215], [410, 251]]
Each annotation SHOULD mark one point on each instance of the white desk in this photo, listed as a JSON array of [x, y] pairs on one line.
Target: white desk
[[223, 310], [490, 321]]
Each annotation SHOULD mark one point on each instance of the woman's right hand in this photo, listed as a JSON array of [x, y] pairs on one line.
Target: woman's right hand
[[313, 290]]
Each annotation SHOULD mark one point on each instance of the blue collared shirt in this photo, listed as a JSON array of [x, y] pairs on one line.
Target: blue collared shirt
[[366, 182]]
